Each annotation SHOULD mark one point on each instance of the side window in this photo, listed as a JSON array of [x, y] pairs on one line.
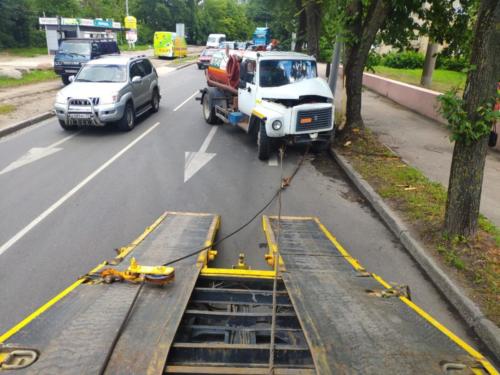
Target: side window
[[147, 67], [247, 73], [136, 70]]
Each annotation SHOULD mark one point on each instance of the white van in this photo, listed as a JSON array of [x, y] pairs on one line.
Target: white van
[[214, 40]]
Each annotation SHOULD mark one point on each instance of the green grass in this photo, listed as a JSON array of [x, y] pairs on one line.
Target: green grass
[[26, 51], [33, 76], [138, 47], [6, 108], [442, 80], [183, 60], [422, 203]]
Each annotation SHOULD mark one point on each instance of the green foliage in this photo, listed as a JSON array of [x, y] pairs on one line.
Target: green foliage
[[373, 60], [462, 127], [31, 77], [458, 64], [403, 60]]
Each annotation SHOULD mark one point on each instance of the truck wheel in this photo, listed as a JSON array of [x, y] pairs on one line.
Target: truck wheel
[[209, 109], [155, 101], [263, 143], [65, 79], [127, 122], [66, 127]]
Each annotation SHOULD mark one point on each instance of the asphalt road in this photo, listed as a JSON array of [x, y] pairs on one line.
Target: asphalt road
[[64, 213]]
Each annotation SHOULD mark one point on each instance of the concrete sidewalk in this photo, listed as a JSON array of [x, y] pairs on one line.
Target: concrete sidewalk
[[423, 144]]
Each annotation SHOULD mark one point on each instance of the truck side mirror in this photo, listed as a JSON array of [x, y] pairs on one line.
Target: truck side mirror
[[242, 84]]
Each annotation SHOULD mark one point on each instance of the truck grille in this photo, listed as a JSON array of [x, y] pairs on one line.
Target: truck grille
[[315, 119], [84, 102]]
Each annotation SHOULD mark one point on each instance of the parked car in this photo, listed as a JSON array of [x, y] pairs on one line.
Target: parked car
[[206, 57], [214, 40], [114, 89], [73, 53]]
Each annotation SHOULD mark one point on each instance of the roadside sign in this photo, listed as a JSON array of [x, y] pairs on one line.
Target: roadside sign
[[130, 22], [131, 36]]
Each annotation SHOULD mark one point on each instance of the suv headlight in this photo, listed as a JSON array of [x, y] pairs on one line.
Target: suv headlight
[[109, 99], [61, 98], [277, 124]]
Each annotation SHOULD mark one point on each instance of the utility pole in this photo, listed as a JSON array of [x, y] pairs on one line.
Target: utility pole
[[126, 7]]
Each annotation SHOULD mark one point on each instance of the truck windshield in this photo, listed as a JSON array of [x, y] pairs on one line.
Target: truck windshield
[[275, 73], [75, 48], [102, 73]]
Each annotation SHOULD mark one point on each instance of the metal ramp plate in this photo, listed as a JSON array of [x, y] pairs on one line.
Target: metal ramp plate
[[75, 335], [349, 327]]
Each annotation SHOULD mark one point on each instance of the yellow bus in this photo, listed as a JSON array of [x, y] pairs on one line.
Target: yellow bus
[[169, 44]]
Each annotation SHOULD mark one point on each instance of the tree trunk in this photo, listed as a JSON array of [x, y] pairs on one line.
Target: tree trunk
[[467, 167], [429, 64], [365, 29], [313, 18], [301, 30]]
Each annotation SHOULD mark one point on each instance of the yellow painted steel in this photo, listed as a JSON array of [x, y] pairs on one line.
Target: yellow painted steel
[[258, 114], [271, 242], [23, 323], [258, 274], [354, 263], [209, 254]]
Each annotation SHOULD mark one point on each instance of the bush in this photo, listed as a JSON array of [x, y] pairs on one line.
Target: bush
[[374, 59], [38, 38], [403, 60], [457, 64]]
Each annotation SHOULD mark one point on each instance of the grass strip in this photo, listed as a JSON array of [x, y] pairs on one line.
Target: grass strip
[[6, 108], [442, 80], [33, 76], [421, 202]]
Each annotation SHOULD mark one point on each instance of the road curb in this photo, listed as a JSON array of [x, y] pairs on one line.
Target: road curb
[[36, 119], [486, 330], [25, 123]]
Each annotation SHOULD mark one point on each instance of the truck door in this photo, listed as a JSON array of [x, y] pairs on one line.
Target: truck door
[[247, 90]]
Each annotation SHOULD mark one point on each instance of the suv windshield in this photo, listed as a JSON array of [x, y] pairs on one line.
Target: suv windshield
[[283, 72], [102, 73], [76, 48]]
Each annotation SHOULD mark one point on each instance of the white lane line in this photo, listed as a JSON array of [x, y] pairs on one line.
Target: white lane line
[[273, 161], [185, 101], [61, 141], [72, 192]]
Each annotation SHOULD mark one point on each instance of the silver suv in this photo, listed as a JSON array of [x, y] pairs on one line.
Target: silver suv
[[114, 89]]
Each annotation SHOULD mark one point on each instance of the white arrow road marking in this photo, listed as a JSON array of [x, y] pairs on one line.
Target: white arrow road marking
[[185, 101], [194, 161], [72, 192], [36, 153]]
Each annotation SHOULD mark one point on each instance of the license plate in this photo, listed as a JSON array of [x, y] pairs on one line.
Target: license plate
[[71, 71], [80, 115]]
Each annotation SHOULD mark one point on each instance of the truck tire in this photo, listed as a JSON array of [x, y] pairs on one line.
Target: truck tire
[[208, 107], [67, 127], [155, 101], [127, 122], [263, 142]]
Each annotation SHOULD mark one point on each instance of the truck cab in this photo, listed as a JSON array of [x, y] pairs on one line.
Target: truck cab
[[280, 98]]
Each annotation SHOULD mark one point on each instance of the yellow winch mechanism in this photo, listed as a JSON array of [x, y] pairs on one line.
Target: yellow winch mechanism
[[135, 273]]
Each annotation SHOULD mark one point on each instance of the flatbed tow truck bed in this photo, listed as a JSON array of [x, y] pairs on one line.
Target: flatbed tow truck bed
[[331, 316]]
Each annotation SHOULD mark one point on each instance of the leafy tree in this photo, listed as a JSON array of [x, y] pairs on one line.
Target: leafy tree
[[470, 119], [52, 8], [17, 23], [224, 16]]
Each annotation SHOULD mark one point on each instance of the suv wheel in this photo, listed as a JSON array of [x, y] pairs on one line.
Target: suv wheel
[[127, 122], [66, 127], [155, 101], [65, 79], [263, 143]]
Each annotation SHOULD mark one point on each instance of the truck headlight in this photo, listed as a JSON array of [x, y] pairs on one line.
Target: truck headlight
[[108, 99], [61, 98], [277, 124]]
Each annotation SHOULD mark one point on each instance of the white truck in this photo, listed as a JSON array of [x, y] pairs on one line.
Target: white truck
[[275, 96]]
